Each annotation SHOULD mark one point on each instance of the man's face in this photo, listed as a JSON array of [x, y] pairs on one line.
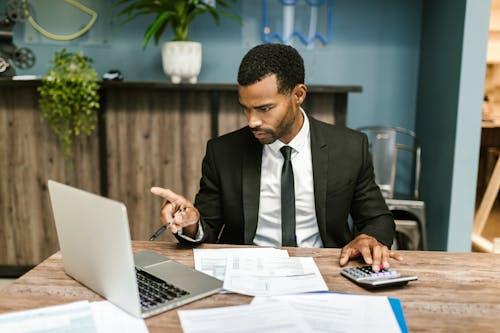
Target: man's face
[[271, 115]]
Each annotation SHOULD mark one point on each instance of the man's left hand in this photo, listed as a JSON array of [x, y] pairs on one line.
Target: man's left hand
[[373, 252]]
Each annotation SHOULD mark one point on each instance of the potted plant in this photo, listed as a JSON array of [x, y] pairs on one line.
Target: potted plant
[[181, 57], [69, 98]]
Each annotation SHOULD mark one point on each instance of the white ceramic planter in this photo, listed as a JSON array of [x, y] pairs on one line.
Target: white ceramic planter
[[182, 61]]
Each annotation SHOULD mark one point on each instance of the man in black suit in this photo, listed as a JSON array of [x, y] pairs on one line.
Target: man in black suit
[[250, 181]]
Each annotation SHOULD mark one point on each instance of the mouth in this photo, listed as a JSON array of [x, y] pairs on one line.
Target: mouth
[[264, 135], [259, 134]]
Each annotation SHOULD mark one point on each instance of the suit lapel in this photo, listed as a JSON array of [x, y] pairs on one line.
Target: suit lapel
[[252, 159], [319, 154]]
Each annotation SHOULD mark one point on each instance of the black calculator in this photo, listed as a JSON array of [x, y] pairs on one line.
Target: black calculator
[[368, 279]]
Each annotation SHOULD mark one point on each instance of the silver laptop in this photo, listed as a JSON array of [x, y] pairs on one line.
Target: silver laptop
[[94, 237]]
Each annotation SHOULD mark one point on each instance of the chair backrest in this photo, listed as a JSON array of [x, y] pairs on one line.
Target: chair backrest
[[386, 142]]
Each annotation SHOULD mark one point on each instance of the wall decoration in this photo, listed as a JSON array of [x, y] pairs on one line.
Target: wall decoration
[[71, 36], [67, 22], [318, 24], [22, 57]]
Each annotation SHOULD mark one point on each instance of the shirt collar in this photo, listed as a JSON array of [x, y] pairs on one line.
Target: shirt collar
[[298, 142]]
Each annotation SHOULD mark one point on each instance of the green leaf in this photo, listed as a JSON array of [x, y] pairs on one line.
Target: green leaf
[[156, 26], [181, 14], [68, 98]]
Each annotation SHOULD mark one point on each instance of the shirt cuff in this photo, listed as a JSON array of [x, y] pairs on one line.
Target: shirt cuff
[[198, 237]]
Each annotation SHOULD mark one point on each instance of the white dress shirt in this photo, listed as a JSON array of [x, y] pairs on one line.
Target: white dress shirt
[[269, 220]]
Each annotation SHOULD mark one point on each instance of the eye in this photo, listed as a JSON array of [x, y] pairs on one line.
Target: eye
[[265, 108]]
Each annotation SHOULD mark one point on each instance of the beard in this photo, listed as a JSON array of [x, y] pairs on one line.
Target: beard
[[265, 136]]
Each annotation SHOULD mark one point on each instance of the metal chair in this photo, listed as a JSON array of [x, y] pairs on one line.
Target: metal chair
[[396, 154]]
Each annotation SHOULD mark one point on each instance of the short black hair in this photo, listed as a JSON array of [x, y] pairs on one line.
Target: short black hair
[[268, 59]]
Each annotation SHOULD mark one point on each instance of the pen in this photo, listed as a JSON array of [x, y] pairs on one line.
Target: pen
[[159, 231], [164, 227]]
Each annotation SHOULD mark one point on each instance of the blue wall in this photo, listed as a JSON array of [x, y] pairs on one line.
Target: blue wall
[[450, 94], [375, 44], [468, 129]]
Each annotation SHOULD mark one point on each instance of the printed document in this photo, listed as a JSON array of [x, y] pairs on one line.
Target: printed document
[[213, 261], [267, 276], [266, 317], [76, 317], [340, 313]]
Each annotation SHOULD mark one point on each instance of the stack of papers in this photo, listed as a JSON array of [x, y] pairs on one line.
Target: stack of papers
[[289, 297], [260, 271], [315, 312]]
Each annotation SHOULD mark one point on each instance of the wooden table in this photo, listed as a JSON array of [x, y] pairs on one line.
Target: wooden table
[[456, 292]]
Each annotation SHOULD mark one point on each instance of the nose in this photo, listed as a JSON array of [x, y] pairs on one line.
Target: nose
[[253, 119]]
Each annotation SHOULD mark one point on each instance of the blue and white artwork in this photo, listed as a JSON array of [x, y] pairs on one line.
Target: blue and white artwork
[[305, 20]]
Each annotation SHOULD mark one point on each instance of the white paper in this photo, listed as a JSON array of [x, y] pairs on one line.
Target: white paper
[[111, 319], [73, 317], [269, 318], [339, 313], [76, 317], [213, 261], [267, 276]]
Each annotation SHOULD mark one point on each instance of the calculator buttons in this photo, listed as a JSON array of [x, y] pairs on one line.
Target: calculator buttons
[[364, 276], [366, 273]]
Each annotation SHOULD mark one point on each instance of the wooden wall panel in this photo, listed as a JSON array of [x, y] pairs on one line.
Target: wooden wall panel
[[231, 116], [29, 157], [6, 226], [154, 138], [150, 135], [321, 107]]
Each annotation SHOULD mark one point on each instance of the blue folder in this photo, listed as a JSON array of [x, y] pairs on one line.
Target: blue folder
[[398, 312]]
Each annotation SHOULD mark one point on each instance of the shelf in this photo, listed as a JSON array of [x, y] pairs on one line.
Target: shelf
[[183, 87]]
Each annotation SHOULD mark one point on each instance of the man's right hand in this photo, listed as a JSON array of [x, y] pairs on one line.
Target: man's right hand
[[178, 211]]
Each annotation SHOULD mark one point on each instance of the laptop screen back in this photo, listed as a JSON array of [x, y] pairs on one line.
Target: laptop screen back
[[94, 237]]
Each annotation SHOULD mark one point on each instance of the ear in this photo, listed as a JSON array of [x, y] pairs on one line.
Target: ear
[[299, 93]]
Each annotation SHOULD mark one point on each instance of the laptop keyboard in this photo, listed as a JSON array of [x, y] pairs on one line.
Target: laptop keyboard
[[154, 291]]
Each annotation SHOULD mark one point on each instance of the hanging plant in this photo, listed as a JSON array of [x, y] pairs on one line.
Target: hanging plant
[[69, 98]]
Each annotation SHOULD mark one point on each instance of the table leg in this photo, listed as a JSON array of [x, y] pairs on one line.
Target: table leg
[[485, 208]]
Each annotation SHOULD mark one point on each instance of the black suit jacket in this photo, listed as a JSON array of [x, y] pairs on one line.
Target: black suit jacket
[[344, 182]]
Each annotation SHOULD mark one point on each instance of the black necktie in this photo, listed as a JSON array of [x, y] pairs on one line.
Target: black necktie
[[287, 200]]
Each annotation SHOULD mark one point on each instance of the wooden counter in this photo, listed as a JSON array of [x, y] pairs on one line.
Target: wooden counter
[[149, 133]]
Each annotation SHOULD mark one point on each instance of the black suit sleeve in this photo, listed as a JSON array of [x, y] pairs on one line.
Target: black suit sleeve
[[220, 199], [208, 201], [209, 198], [368, 208]]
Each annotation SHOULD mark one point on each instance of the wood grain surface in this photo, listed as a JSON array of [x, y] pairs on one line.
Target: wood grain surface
[[455, 292], [154, 138], [29, 156], [154, 134]]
